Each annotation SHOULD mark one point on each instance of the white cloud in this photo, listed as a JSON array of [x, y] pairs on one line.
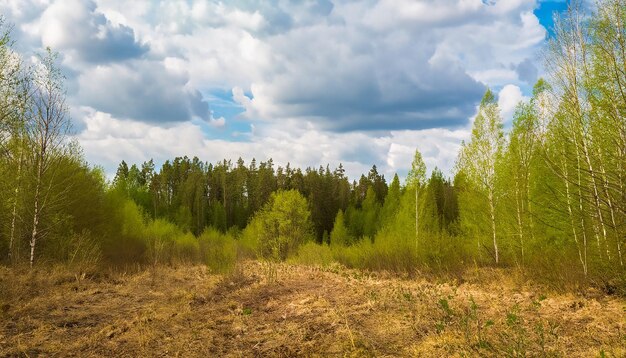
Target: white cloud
[[508, 98], [355, 82], [144, 90], [217, 122], [347, 65], [107, 140], [75, 27]]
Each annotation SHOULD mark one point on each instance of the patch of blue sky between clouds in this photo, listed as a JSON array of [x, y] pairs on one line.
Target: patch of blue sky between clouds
[[222, 105], [545, 13]]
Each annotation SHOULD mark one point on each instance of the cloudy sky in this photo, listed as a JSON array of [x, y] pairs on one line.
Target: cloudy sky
[[306, 82]]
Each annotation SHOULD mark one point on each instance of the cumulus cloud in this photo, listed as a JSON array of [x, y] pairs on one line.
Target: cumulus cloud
[[108, 140], [527, 71], [420, 71], [355, 86], [346, 65], [76, 27], [144, 90], [318, 81], [508, 98]]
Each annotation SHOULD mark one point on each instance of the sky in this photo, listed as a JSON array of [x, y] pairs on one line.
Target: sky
[[305, 82]]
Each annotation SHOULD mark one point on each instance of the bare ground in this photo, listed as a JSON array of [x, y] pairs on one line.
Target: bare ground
[[187, 311]]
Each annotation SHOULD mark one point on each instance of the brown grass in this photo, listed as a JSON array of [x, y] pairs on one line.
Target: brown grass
[[308, 312]]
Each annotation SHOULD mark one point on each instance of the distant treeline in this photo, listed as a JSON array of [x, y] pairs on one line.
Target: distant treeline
[[195, 195]]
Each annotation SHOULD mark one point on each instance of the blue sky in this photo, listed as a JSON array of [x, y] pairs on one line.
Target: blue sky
[[307, 82], [545, 12]]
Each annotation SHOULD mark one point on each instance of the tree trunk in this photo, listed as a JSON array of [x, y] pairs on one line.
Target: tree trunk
[[492, 213], [36, 213], [582, 217], [529, 208], [416, 218], [582, 255], [520, 228], [580, 196], [609, 203], [15, 199], [596, 196]]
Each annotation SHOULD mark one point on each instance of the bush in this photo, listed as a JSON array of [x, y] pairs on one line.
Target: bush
[[354, 256], [340, 236], [187, 248], [249, 240], [217, 250], [125, 240], [314, 254], [160, 236], [82, 252], [281, 226]]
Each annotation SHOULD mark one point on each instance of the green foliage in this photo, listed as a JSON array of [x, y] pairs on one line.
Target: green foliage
[[441, 203], [355, 220], [124, 240], [447, 315], [160, 237], [358, 255], [312, 254], [218, 215], [547, 197], [417, 175], [371, 213], [218, 250], [281, 226], [340, 235], [187, 248], [474, 326], [392, 202], [478, 162]]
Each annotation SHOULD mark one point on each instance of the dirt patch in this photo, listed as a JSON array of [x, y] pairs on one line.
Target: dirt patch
[[307, 312]]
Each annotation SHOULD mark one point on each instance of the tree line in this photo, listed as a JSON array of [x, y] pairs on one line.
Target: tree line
[[547, 196], [195, 195]]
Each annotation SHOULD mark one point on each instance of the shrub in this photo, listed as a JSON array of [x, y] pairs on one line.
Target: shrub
[[187, 248], [217, 250], [314, 254], [160, 236], [340, 236], [281, 226], [125, 240], [354, 256]]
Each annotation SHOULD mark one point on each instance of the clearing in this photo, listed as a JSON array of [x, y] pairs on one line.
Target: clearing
[[187, 311]]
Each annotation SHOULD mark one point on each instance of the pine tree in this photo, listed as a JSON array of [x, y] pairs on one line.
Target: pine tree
[[340, 236], [371, 211], [392, 202]]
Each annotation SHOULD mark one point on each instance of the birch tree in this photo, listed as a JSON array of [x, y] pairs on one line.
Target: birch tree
[[416, 179], [607, 89], [520, 162], [14, 91], [478, 158], [585, 63], [48, 126]]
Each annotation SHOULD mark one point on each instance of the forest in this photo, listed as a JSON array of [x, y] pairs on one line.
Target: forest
[[547, 197], [519, 252]]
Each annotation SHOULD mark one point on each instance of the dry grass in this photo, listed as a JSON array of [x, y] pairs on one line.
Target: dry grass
[[308, 312]]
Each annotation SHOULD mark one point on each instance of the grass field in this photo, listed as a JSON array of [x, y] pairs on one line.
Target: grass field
[[187, 311]]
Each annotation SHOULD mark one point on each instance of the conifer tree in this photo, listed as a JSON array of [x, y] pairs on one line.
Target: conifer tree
[[340, 236]]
